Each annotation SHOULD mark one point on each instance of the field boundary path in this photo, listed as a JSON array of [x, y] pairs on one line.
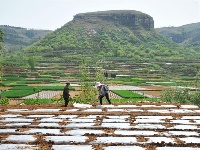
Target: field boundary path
[[141, 126]]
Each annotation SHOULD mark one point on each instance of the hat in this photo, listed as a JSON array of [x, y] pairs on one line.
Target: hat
[[67, 82], [98, 84]]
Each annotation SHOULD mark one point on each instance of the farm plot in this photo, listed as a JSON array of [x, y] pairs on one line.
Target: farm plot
[[43, 94], [48, 94], [51, 94], [147, 91], [141, 126]]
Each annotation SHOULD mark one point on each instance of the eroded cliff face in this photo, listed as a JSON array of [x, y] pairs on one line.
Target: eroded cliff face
[[132, 19]]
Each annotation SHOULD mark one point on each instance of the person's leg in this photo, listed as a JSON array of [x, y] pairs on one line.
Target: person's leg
[[107, 97], [100, 99], [66, 101]]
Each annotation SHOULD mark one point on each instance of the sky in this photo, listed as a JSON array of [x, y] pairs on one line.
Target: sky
[[53, 14]]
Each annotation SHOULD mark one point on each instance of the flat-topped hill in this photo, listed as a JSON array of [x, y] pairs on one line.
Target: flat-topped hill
[[130, 18]]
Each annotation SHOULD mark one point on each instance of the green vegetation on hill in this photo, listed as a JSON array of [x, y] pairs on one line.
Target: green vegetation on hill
[[122, 42], [186, 35], [107, 37], [1, 39], [18, 38]]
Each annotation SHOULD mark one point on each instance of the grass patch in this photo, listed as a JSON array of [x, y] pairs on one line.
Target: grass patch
[[21, 91], [42, 101], [17, 93], [127, 94]]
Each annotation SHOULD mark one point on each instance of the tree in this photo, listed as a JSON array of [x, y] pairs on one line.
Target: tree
[[31, 62], [88, 92], [197, 80], [1, 63], [99, 75], [1, 39]]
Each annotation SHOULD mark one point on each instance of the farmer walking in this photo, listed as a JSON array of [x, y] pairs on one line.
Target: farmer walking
[[66, 94]]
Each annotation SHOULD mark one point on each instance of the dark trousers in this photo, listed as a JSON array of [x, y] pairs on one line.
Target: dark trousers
[[66, 101], [107, 97]]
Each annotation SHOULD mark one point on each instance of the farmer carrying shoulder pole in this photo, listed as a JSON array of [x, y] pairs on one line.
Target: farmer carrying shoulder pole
[[102, 91]]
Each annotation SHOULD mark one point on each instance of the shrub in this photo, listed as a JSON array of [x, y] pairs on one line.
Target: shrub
[[4, 101], [181, 96], [195, 98]]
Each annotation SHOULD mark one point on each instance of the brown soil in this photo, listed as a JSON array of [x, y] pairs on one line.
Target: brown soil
[[154, 90]]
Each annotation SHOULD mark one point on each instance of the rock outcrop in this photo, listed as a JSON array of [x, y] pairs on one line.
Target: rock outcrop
[[130, 18]]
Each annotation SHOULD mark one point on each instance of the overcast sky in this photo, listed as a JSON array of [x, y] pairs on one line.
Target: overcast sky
[[52, 14]]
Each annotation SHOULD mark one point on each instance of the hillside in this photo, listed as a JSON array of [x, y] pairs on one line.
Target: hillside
[[186, 35], [111, 34], [18, 38], [124, 41]]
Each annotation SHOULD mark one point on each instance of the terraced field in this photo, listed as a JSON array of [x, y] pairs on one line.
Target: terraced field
[[138, 126], [148, 91]]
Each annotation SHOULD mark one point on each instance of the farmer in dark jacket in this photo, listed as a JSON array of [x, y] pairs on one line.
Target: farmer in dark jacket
[[66, 94]]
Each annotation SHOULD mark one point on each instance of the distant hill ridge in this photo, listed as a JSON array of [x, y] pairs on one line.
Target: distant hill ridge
[[186, 35], [18, 37]]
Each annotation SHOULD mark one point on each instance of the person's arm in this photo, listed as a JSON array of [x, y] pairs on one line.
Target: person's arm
[[99, 90], [67, 92]]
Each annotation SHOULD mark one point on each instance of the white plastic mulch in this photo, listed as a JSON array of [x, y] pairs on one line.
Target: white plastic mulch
[[43, 94], [112, 127]]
